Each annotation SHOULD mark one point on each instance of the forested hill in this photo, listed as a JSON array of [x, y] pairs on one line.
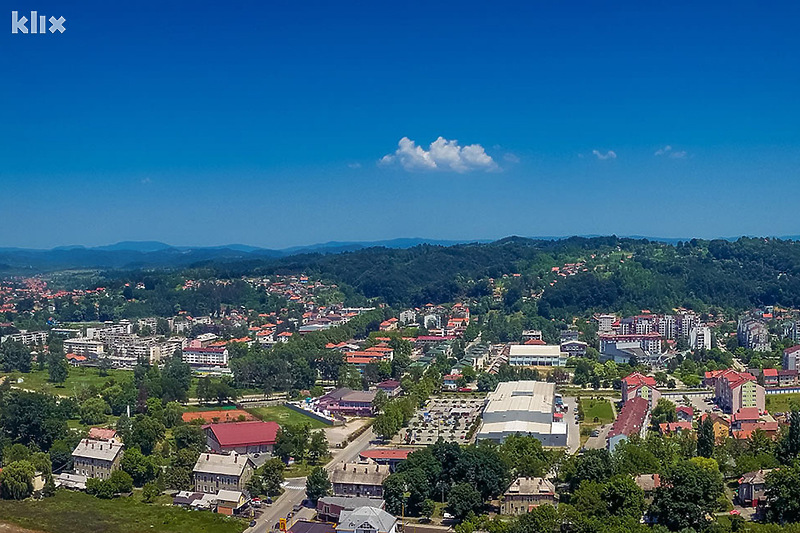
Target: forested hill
[[615, 274]]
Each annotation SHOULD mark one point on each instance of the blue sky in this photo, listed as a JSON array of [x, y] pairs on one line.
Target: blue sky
[[266, 123]]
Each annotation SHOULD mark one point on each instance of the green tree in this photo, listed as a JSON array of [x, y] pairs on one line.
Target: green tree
[[688, 493], [151, 492], [664, 411], [145, 433], [589, 499], [141, 468], [16, 480], [120, 482], [57, 368], [427, 508], [783, 494], [463, 499], [789, 445], [624, 498], [706, 439], [94, 411], [317, 484], [317, 447], [173, 413], [189, 437]]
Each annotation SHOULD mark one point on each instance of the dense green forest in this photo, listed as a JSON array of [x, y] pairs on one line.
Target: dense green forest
[[511, 275], [620, 273]]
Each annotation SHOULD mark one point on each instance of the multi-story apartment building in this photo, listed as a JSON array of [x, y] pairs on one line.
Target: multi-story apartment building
[[735, 390], [648, 342], [700, 338], [753, 334], [790, 358], [214, 472], [638, 385], [27, 337], [212, 356], [85, 347], [96, 458]]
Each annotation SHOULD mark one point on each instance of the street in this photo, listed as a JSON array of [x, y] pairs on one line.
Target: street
[[295, 490]]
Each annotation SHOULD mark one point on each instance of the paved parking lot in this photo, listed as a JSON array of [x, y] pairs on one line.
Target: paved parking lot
[[448, 418]]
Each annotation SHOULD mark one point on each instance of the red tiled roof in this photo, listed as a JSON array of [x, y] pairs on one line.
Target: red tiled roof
[[630, 418], [638, 379], [102, 433], [238, 434], [770, 372], [394, 453], [746, 413]]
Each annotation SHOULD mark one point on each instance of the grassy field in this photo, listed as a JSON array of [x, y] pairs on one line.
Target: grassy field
[[596, 411], [283, 415], [780, 403], [76, 512], [79, 378]]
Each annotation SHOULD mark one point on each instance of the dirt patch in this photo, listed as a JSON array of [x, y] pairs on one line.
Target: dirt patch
[[11, 528]]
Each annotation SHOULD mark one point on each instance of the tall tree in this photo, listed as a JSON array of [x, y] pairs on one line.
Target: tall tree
[[706, 439], [317, 484]]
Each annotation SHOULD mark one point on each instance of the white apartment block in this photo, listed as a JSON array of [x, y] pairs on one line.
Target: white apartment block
[[700, 338], [27, 337], [206, 356]]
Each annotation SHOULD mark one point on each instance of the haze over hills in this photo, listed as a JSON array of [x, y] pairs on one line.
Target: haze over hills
[[155, 254]]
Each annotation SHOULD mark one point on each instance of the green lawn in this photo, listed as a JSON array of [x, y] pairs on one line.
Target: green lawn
[[596, 411], [781, 403], [79, 378], [76, 512], [283, 415]]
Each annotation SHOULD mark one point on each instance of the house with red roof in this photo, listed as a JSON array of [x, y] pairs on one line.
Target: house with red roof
[[685, 413], [386, 456], [668, 428], [242, 437], [391, 387], [631, 420], [637, 385], [770, 377]]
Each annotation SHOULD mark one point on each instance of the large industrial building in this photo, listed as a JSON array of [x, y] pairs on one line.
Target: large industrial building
[[526, 408]]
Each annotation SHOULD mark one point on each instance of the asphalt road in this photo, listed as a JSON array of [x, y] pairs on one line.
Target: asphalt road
[[295, 491]]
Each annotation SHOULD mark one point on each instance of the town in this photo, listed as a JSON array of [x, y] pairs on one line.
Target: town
[[306, 413]]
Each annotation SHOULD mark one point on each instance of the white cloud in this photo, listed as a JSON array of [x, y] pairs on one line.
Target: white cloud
[[441, 155], [511, 158], [670, 152], [354, 165], [611, 154]]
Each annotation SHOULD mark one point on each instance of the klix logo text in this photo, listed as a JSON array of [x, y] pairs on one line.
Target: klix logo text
[[38, 23]]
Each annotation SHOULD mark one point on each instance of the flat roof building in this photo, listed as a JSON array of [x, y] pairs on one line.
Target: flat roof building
[[524, 407], [536, 355]]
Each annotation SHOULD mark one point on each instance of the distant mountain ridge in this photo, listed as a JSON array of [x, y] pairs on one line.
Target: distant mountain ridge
[[156, 254]]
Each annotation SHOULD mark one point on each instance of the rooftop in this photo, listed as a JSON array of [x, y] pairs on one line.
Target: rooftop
[[217, 463], [97, 449], [235, 434]]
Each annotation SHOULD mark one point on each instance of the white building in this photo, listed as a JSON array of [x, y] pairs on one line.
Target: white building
[[524, 407], [700, 338], [206, 356], [87, 347], [536, 355], [27, 337]]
